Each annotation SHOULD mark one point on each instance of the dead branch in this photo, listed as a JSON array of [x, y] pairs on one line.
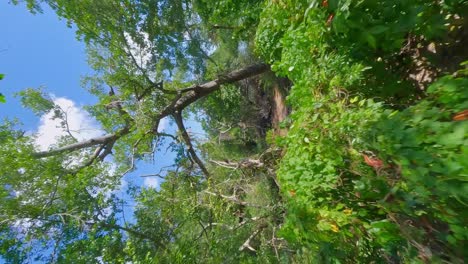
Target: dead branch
[[223, 164], [228, 227], [249, 239], [65, 120], [246, 163], [160, 173]]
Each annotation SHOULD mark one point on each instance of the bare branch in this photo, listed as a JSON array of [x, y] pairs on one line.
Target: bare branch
[[83, 144], [252, 236], [231, 198], [245, 221], [65, 120], [188, 142], [246, 163], [159, 174], [227, 165]]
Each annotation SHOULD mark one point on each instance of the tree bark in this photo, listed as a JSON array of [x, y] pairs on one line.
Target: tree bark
[[76, 146], [198, 91]]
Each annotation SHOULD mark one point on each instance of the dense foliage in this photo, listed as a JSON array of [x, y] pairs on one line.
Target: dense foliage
[[346, 60], [373, 167]]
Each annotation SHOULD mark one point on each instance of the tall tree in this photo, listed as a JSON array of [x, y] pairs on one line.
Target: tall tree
[[373, 168], [150, 59]]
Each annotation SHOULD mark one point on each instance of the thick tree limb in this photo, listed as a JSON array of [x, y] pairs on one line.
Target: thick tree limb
[[184, 98], [79, 145], [198, 91], [195, 92], [83, 144]]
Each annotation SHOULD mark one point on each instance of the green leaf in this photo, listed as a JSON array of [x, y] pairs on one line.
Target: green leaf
[[36, 100], [370, 40], [378, 29]]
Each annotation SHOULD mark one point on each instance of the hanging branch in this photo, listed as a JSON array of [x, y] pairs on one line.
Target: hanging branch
[[180, 124]]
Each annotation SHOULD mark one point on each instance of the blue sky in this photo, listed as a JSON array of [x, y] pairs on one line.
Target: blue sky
[[41, 51], [38, 50]]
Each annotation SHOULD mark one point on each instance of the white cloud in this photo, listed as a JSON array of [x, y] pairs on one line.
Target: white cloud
[[123, 184], [81, 125], [151, 182], [163, 124]]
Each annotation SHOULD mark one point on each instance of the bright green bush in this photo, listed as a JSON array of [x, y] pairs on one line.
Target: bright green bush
[[406, 204], [429, 169]]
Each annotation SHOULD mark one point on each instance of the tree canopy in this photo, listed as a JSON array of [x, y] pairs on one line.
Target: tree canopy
[[369, 166]]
